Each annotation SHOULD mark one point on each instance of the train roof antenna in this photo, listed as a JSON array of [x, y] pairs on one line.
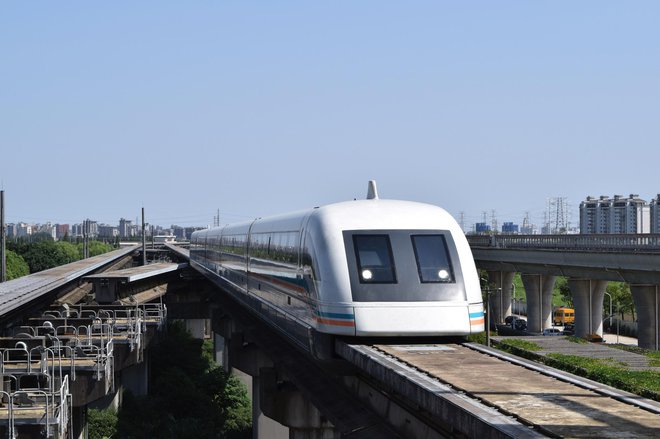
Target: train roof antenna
[[372, 190]]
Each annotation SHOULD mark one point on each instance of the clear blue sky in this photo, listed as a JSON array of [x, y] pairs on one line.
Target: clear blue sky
[[256, 108]]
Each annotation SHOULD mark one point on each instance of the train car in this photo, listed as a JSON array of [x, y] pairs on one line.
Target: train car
[[371, 267]]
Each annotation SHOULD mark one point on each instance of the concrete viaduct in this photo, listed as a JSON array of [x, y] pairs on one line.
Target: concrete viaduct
[[588, 261]]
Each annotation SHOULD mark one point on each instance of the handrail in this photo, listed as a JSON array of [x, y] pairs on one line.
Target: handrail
[[33, 393], [637, 243]]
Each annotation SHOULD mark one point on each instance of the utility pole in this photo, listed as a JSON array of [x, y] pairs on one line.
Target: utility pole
[[3, 239], [85, 231], [144, 241]]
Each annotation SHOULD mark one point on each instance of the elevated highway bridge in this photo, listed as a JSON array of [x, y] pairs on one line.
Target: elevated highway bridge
[[588, 261]]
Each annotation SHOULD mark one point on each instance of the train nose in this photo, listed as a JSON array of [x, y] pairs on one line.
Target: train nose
[[413, 320]]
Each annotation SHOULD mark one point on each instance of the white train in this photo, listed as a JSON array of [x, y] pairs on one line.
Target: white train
[[359, 268]]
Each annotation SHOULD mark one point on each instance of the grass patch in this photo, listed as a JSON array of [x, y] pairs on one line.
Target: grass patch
[[653, 356], [521, 344], [644, 382], [574, 339], [480, 337]]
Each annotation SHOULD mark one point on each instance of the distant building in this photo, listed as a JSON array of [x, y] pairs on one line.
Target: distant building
[[10, 231], [61, 230], [23, 230], [482, 228], [78, 230], [654, 209], [126, 229], [46, 229], [510, 228], [108, 232], [614, 215]]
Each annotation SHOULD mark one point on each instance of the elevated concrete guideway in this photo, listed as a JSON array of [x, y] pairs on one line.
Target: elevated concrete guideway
[[108, 286], [589, 262], [20, 292]]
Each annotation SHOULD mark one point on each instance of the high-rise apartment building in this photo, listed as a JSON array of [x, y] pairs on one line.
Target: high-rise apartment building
[[614, 215], [654, 208], [125, 228]]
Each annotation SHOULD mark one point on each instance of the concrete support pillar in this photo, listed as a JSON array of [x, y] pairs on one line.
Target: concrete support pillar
[[263, 427], [283, 402], [500, 300], [588, 297], [221, 351], [136, 378], [647, 306], [538, 290], [79, 422], [198, 328]]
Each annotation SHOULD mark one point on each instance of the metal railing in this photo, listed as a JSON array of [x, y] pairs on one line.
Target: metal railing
[[639, 243], [37, 368], [47, 406]]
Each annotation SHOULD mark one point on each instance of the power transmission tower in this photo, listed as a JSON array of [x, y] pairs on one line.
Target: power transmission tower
[[494, 221], [556, 219]]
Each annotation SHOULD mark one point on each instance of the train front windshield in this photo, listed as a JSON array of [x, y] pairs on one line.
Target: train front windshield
[[432, 258], [403, 266]]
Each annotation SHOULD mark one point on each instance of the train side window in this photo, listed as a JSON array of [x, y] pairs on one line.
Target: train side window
[[374, 259], [433, 262]]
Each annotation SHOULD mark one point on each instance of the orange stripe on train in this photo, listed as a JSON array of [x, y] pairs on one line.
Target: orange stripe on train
[[335, 322]]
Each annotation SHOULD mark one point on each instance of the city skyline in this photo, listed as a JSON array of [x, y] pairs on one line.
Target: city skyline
[[557, 219], [260, 109]]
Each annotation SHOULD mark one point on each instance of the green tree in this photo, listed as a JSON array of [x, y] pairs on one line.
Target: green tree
[[95, 248], [561, 284], [621, 294], [190, 396], [102, 423], [16, 266], [47, 254], [67, 251]]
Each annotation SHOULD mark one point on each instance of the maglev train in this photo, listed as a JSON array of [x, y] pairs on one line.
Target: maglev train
[[370, 267]]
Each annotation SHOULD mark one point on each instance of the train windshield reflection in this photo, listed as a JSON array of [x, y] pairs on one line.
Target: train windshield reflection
[[432, 257], [374, 258]]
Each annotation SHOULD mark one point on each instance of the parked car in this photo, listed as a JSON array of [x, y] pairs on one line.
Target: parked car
[[569, 329], [520, 324], [509, 319], [551, 331]]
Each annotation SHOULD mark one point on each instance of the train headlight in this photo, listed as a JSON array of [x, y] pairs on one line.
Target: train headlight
[[443, 274], [367, 274]]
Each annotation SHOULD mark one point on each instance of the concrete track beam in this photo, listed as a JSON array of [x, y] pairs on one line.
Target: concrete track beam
[[538, 289], [588, 297]]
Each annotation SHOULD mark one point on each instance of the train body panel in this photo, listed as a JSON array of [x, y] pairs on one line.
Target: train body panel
[[365, 268]]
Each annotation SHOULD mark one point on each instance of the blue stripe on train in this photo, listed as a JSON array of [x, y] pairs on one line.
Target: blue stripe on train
[[334, 315]]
